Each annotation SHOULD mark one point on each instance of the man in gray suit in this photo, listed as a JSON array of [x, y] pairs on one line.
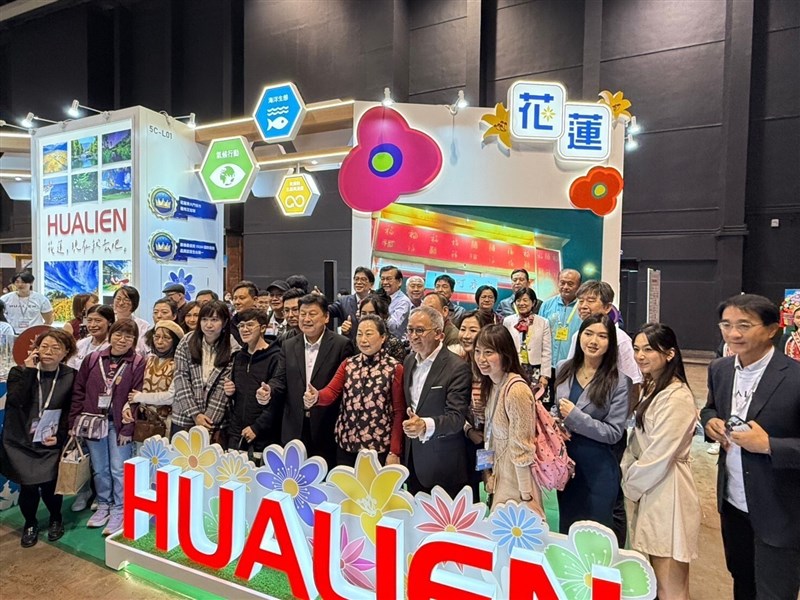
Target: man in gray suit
[[437, 385], [753, 411]]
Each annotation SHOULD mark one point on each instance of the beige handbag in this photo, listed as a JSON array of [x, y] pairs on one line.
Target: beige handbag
[[74, 470]]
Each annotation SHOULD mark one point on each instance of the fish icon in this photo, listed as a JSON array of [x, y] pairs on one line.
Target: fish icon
[[278, 123]]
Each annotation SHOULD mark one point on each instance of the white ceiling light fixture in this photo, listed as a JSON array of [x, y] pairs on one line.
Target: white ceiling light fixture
[[7, 124], [74, 110], [192, 122], [461, 102], [387, 97], [27, 122]]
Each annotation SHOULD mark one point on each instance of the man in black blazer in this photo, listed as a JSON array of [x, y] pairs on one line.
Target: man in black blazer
[[310, 358], [437, 385], [346, 308], [758, 484]]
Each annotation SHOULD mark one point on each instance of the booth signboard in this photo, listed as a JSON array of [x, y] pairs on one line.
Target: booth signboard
[[229, 170], [293, 529], [297, 195], [101, 186], [279, 112]]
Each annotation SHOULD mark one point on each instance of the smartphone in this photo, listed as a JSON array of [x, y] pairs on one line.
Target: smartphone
[[736, 424]]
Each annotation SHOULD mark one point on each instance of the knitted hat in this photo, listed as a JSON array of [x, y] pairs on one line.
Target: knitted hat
[[172, 326]]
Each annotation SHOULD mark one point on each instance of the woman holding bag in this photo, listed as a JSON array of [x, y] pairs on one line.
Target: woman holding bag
[[38, 393], [102, 386], [509, 433]]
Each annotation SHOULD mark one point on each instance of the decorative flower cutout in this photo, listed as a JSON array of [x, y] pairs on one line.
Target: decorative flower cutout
[[371, 491], [211, 520], [185, 279], [618, 103], [597, 191], [572, 565], [156, 452], [195, 453], [289, 472], [516, 526], [233, 467], [458, 515], [498, 126], [352, 564], [390, 159]]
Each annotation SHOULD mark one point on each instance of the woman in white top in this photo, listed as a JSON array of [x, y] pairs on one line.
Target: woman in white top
[[661, 500], [531, 335], [126, 301], [99, 319], [24, 307]]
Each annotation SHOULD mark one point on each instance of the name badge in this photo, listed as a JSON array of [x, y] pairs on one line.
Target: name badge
[[562, 334], [104, 401], [484, 460], [34, 426], [23, 325]]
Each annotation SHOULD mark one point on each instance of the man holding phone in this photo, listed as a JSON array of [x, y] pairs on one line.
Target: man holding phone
[[753, 411]]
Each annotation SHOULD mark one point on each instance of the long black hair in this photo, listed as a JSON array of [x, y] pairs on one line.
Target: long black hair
[[215, 308], [662, 339], [605, 379], [497, 338]]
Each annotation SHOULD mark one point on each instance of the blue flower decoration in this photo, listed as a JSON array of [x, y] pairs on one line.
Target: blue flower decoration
[[155, 451], [517, 527], [289, 473], [185, 279]]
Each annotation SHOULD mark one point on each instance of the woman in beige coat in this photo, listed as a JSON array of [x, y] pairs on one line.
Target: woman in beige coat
[[660, 496], [509, 432]]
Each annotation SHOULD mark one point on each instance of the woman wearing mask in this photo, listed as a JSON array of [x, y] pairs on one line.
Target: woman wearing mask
[[202, 363], [661, 500], [377, 305], [370, 386], [252, 424], [531, 335], [485, 299], [35, 430], [99, 319], [157, 387], [192, 317], [125, 302], [510, 426], [593, 403], [81, 303], [102, 386]]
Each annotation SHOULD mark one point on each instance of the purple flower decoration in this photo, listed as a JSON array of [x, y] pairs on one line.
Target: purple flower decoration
[[352, 564], [185, 279], [290, 473]]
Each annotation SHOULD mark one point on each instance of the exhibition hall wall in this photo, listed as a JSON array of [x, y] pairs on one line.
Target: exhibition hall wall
[[713, 83]]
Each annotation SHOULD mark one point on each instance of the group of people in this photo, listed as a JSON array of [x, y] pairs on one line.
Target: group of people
[[450, 393]]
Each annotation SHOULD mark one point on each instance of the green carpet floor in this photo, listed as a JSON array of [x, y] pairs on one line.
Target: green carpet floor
[[89, 544]]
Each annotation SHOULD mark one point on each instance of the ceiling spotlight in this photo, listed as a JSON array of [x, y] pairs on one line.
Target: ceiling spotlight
[[6, 124], [27, 122], [192, 122], [387, 97], [74, 109], [460, 103], [633, 126], [631, 144]]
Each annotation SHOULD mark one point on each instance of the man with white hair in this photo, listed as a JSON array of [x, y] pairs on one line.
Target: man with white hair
[[415, 290]]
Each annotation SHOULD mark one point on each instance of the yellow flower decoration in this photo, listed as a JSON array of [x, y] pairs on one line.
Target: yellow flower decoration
[[498, 126], [618, 103], [195, 454], [371, 491], [232, 467]]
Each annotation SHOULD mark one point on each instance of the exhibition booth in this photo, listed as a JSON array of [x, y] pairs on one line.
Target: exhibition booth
[[132, 197]]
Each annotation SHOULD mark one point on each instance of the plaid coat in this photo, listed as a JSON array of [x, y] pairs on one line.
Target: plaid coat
[[193, 395]]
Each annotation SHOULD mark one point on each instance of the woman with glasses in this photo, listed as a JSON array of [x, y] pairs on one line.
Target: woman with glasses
[[485, 299], [253, 426], [375, 304], [593, 403], [35, 429], [370, 386], [81, 303], [202, 363], [531, 335], [99, 319], [661, 500], [125, 302], [102, 386], [157, 388]]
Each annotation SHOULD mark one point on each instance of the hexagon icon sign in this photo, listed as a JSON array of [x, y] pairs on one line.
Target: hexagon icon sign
[[229, 170], [279, 112], [298, 195]]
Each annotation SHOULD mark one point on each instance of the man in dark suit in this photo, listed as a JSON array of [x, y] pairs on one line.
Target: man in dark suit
[[346, 309], [758, 484], [437, 385], [310, 358]]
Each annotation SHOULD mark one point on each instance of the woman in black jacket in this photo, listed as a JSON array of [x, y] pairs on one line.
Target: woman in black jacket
[[37, 407], [252, 425]]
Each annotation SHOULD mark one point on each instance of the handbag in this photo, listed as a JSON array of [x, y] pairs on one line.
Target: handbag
[[74, 469], [148, 423], [90, 426]]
